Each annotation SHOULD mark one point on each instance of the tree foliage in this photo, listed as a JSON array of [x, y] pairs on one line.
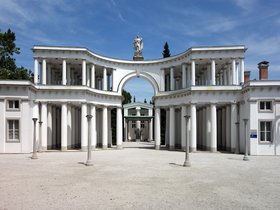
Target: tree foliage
[[8, 67], [166, 51], [126, 97]]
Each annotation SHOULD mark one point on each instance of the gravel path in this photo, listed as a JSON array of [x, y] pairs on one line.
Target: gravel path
[[138, 177]]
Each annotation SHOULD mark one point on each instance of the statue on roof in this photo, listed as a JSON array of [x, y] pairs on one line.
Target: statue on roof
[[138, 46]]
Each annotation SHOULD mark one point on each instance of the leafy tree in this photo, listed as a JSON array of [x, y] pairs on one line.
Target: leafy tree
[[127, 97], [166, 51], [8, 68]]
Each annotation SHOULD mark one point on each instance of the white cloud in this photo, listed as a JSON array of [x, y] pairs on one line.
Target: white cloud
[[246, 4]]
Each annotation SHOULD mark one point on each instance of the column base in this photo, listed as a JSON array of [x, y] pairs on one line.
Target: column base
[[84, 148], [246, 158], [119, 146], [213, 149], [187, 163], [157, 147], [89, 163], [171, 147], [232, 150], [64, 148], [104, 147], [34, 156], [192, 149]]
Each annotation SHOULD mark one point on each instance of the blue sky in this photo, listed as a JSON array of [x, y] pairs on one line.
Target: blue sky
[[109, 27]]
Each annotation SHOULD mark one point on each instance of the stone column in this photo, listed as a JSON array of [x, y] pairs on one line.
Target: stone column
[[49, 128], [171, 128], [109, 128], [88, 76], [35, 71], [84, 127], [64, 127], [233, 72], [224, 136], [228, 127], [193, 128], [64, 80], [184, 77], [172, 78], [225, 77], [213, 145], [157, 128], [233, 127], [138, 122], [84, 66], [105, 128], [69, 126], [229, 76], [162, 80], [193, 73], [44, 72], [93, 126], [241, 70], [119, 128], [73, 126], [93, 77], [68, 75], [44, 127], [167, 128], [49, 78], [151, 130], [213, 72], [104, 79], [183, 127], [204, 129]]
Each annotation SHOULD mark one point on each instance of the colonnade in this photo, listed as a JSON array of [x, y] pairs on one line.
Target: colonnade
[[85, 76], [232, 73], [65, 125]]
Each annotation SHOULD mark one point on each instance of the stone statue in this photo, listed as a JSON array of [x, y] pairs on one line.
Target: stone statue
[[138, 46]]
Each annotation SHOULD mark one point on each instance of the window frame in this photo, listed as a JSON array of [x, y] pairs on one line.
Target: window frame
[[13, 108], [265, 110], [271, 131], [8, 140]]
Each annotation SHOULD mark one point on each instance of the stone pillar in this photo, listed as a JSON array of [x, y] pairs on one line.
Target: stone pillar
[[184, 77], [225, 77], [64, 127], [138, 122], [157, 128], [105, 128], [167, 128], [213, 145], [233, 72], [193, 128], [151, 130], [69, 126], [44, 131], [68, 75], [49, 78], [93, 126], [84, 127], [204, 129], [84, 66], [183, 127], [229, 76], [93, 77], [228, 127], [49, 128], [241, 70], [64, 80], [35, 71], [224, 136], [162, 80], [193, 73], [104, 79], [213, 72], [44, 72], [172, 78], [88, 76], [171, 128], [73, 126], [119, 128], [233, 127]]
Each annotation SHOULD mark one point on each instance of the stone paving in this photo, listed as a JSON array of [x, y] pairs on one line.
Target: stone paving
[[138, 177]]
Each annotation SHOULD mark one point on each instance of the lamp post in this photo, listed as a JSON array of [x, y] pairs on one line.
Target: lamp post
[[34, 155], [246, 158], [187, 158], [89, 161]]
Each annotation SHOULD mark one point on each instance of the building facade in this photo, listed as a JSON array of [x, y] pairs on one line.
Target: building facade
[[207, 83]]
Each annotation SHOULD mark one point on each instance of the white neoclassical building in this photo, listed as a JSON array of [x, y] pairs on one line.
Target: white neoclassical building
[[207, 83], [138, 121]]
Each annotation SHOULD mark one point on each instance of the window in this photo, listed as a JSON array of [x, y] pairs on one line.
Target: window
[[13, 131], [133, 124], [265, 105], [265, 131], [13, 104], [142, 124]]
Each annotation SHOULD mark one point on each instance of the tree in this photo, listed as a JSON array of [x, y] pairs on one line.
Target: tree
[[127, 97], [166, 51], [145, 101], [134, 99], [8, 68]]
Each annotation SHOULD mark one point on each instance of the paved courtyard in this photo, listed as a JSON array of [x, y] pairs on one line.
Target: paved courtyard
[[138, 177]]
